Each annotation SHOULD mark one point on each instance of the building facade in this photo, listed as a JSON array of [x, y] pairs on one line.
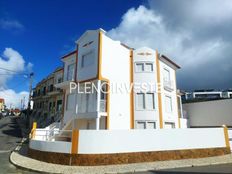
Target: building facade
[[103, 64], [48, 99]]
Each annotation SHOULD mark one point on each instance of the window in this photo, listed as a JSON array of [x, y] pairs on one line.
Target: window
[[87, 59], [166, 75], [168, 104], [141, 125], [139, 67], [145, 125], [150, 125], [149, 67], [140, 101], [145, 101], [169, 125], [70, 104], [143, 67], [59, 105], [70, 74], [150, 101]]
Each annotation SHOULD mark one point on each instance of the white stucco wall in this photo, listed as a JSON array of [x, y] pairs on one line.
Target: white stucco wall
[[115, 67], [209, 113], [147, 78], [87, 43], [122, 141], [51, 146], [173, 115]]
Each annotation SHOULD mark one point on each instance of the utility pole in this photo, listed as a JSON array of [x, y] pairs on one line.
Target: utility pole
[[29, 99]]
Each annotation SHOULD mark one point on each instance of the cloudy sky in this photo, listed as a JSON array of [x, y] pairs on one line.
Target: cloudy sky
[[196, 34]]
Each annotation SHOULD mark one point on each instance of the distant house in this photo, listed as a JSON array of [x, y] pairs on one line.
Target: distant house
[[16, 111], [2, 104]]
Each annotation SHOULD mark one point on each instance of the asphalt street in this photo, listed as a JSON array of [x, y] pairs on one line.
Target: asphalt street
[[10, 136]]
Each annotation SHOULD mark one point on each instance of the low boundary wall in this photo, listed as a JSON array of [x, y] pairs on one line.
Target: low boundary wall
[[91, 147]]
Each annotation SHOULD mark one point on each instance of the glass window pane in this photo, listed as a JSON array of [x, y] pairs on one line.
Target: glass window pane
[[168, 104], [87, 59], [166, 75], [150, 101], [149, 67], [140, 125], [151, 125], [139, 67], [70, 75], [169, 125], [140, 101]]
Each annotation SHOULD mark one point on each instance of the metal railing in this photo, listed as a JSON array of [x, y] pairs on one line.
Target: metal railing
[[51, 134]]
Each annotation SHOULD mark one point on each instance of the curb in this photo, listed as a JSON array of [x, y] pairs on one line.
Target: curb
[[155, 166], [20, 166]]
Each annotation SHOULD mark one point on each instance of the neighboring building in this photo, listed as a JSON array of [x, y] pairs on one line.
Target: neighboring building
[[2, 104], [102, 61], [227, 94], [207, 94], [47, 100], [213, 113]]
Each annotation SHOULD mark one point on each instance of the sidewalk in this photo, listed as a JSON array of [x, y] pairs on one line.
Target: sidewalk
[[18, 157]]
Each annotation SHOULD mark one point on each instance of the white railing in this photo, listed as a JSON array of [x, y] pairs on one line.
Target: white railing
[[50, 134]]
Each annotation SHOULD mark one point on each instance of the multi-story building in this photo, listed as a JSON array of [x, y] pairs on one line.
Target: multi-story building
[[48, 99], [105, 64]]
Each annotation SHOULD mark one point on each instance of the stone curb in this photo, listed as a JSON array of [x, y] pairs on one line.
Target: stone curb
[[125, 168]]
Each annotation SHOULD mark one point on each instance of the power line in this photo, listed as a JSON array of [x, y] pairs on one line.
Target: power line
[[9, 70]]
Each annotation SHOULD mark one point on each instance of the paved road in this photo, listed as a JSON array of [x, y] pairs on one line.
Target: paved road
[[215, 169], [10, 136]]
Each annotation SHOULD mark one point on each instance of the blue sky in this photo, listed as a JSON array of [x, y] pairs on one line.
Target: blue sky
[[49, 29], [195, 34]]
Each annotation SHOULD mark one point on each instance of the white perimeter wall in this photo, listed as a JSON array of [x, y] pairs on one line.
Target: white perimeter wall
[[121, 141], [210, 113], [51, 146]]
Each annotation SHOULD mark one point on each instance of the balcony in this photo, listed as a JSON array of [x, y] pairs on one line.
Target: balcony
[[168, 85]]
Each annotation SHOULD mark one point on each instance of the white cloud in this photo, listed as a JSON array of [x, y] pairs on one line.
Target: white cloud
[[13, 99], [11, 24], [189, 32], [13, 61]]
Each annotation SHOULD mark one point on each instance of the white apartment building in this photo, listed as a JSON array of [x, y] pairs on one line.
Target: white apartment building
[[104, 63]]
